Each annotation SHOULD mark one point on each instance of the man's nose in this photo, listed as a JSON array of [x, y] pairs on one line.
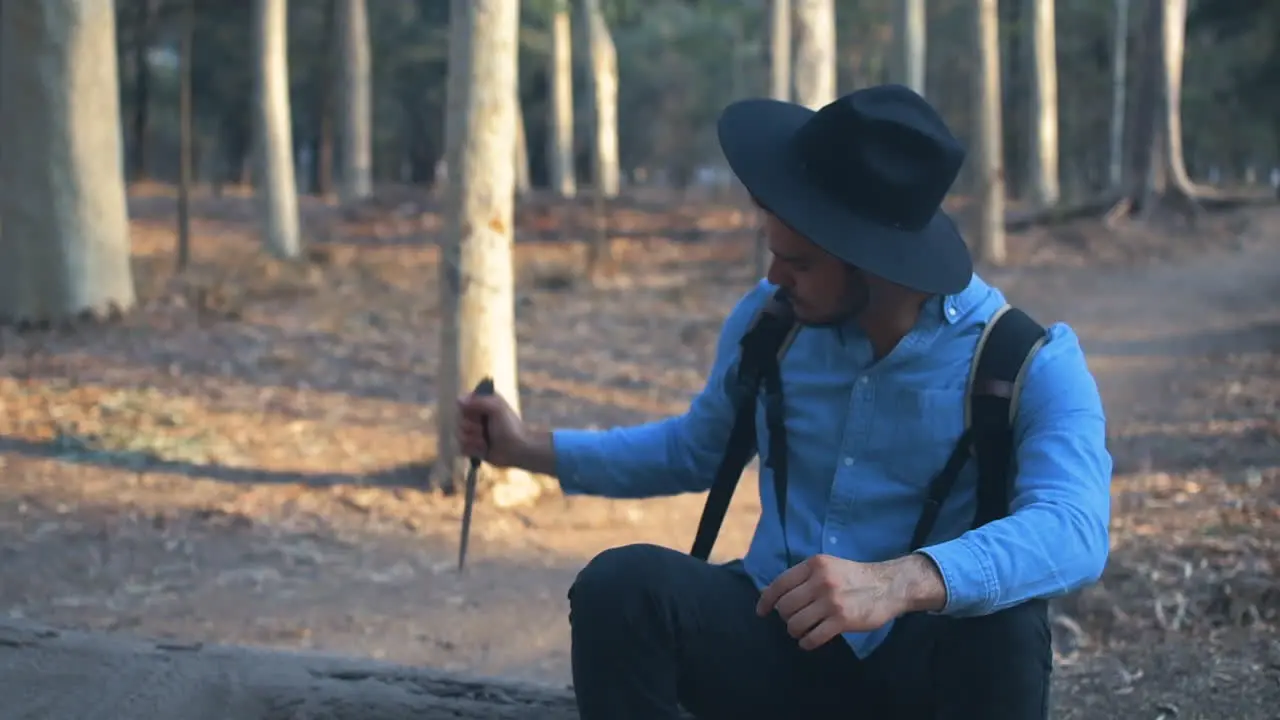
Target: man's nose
[[777, 274]]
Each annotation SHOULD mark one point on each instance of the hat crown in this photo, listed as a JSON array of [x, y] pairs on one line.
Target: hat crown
[[884, 153]]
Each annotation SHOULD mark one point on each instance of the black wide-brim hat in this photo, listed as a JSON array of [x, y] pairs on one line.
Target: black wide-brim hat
[[863, 178]]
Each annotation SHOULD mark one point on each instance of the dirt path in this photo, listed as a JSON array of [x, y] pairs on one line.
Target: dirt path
[[257, 496]]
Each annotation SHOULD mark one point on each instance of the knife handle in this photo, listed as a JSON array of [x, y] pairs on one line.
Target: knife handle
[[484, 387]]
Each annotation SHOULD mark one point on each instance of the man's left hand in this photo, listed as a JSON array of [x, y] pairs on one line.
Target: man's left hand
[[825, 596]]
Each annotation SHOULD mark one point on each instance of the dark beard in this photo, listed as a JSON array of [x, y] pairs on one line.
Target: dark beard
[[857, 298]]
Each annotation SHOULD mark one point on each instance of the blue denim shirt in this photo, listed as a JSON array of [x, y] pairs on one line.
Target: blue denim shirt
[[865, 439]]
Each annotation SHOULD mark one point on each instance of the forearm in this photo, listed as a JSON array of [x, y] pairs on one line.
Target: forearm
[[660, 458], [666, 457], [630, 462], [1040, 552]]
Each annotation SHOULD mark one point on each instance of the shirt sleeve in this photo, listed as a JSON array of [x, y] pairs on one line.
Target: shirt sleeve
[[1055, 540], [670, 456]]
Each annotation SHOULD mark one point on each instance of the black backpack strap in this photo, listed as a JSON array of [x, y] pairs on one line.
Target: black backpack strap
[[1008, 342], [762, 347]]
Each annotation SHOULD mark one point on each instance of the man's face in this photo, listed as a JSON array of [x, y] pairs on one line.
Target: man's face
[[823, 289]]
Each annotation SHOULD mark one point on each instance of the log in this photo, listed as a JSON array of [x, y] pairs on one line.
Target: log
[[1103, 206], [55, 674]]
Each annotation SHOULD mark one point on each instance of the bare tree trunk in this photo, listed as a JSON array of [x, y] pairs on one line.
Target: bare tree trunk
[[1144, 176], [1044, 104], [560, 150], [521, 155], [815, 52], [66, 249], [321, 179], [911, 36], [144, 35], [480, 223], [277, 189], [185, 122], [780, 49], [1119, 94], [357, 101], [449, 465], [1174, 27], [990, 240], [604, 94], [779, 89]]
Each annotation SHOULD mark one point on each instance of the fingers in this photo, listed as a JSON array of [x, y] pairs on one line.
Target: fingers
[[472, 440], [474, 420], [477, 407], [801, 622], [822, 634], [784, 584], [797, 599]]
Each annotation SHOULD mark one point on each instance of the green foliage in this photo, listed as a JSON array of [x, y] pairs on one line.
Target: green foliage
[[681, 61]]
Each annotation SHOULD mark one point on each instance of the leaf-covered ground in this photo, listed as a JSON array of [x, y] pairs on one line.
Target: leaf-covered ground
[[243, 459]]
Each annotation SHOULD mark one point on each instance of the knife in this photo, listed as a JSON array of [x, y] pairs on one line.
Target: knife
[[484, 387]]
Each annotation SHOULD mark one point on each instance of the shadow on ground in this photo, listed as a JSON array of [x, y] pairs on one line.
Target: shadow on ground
[[73, 450]]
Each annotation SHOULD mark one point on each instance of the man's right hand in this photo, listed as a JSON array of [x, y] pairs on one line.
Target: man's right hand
[[508, 442]]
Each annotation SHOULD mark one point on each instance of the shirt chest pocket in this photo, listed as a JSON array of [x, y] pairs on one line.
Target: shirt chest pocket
[[916, 430]]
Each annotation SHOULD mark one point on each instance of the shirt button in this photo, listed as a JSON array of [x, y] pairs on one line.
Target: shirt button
[[832, 539], [862, 380], [848, 461], [951, 311]]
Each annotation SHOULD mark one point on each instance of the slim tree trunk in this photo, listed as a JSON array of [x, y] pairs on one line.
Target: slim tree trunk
[[911, 36], [277, 189], [480, 228], [356, 171], [560, 137], [1119, 94], [185, 128], [604, 95], [520, 157], [780, 49], [455, 98], [144, 34], [1144, 177], [1174, 27], [66, 246], [779, 89], [1044, 173], [990, 241], [322, 129], [449, 465], [815, 52]]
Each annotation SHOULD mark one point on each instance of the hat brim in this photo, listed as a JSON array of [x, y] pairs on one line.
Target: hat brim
[[757, 138]]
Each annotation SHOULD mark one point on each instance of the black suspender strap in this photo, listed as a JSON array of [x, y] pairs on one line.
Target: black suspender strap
[[762, 347], [1008, 342]]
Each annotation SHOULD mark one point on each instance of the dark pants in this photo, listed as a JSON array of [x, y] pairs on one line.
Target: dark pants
[[655, 630]]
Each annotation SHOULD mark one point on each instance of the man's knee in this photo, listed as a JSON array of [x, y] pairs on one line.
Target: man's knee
[[1020, 633], [620, 582], [999, 664]]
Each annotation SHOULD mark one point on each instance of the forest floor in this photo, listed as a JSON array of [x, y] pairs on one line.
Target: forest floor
[[240, 460]]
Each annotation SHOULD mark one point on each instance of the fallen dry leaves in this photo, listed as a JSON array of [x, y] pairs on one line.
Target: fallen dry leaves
[[247, 458]]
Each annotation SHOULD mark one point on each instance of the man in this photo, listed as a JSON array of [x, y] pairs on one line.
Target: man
[[862, 625]]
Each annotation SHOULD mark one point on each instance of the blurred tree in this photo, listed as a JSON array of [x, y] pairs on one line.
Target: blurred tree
[[990, 241], [65, 249], [357, 101], [273, 133]]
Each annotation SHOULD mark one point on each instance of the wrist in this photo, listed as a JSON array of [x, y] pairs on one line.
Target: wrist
[[918, 584], [536, 453]]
